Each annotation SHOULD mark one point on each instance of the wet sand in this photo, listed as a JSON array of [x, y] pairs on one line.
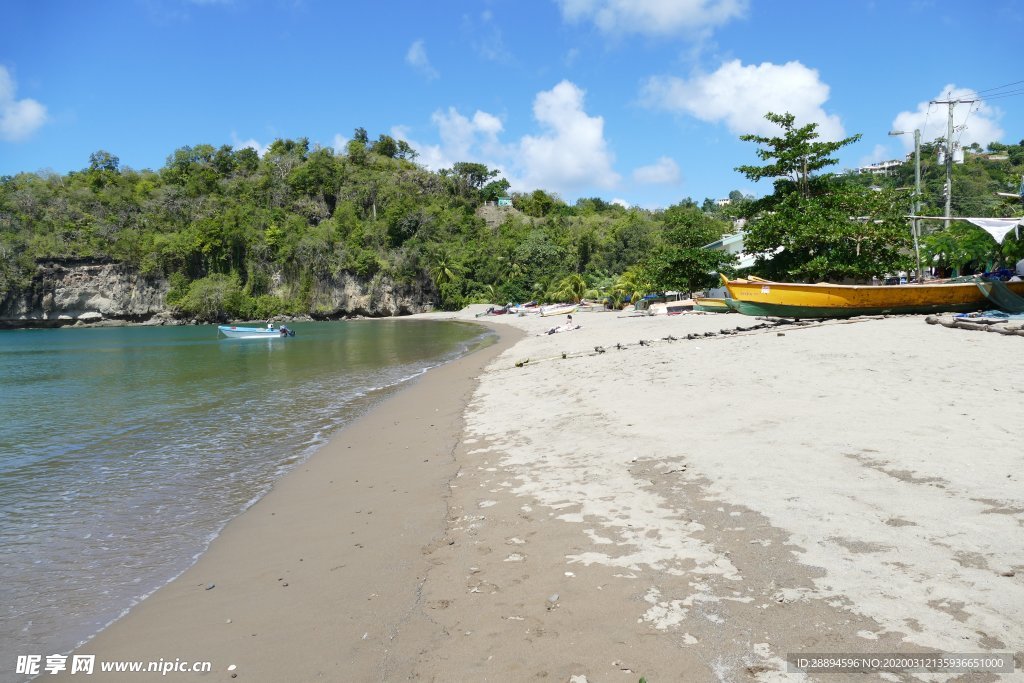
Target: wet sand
[[685, 509], [322, 578]]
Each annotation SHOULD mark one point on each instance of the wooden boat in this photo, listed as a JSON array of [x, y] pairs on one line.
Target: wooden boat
[[671, 307], [235, 332], [530, 307], [492, 310], [754, 296], [558, 309], [711, 305]]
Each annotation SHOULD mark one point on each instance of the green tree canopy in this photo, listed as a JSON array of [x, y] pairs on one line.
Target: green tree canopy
[[795, 155], [820, 227], [681, 262]]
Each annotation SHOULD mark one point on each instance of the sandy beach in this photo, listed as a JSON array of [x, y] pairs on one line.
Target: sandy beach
[[633, 499]]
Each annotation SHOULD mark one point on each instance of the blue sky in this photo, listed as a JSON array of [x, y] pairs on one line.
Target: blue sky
[[634, 100]]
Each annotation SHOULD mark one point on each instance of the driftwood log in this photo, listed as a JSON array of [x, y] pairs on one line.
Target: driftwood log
[[1007, 327]]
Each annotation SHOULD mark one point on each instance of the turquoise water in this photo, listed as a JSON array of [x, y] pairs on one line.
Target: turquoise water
[[123, 451]]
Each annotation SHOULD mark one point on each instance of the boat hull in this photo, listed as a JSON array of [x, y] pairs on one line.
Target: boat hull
[[556, 309], [711, 305], [234, 332], [790, 300]]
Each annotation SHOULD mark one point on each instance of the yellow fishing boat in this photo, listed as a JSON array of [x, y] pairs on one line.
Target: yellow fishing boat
[[711, 305], [754, 296]]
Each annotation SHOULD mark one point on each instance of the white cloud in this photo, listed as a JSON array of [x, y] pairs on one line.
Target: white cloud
[[741, 95], [654, 17], [621, 202], [339, 143], [18, 118], [568, 154], [416, 56], [462, 139], [878, 154], [664, 171], [982, 120], [572, 152], [488, 40], [251, 143]]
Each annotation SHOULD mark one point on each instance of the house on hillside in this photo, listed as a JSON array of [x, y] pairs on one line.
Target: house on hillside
[[733, 244], [882, 167]]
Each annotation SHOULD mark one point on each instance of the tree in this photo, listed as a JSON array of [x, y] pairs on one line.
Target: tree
[[964, 247], [797, 154], [472, 175], [495, 189], [317, 177], [846, 232], [405, 151], [632, 285], [103, 160], [820, 227], [570, 288], [682, 262], [537, 204], [386, 146]]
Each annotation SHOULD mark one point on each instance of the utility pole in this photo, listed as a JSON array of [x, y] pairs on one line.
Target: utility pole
[[949, 153], [915, 209], [917, 202]]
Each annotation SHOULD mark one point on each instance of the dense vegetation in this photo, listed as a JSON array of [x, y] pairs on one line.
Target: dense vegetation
[[963, 248], [853, 226], [820, 227], [244, 236]]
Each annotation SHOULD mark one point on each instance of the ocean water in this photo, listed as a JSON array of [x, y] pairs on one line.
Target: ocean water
[[124, 451]]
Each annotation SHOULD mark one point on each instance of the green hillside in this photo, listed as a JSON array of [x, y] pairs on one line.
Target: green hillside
[[236, 234]]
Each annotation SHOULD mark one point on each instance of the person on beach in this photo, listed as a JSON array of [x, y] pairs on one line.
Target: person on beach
[[563, 328]]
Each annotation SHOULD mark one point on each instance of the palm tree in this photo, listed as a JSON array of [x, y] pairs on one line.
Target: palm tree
[[571, 288], [443, 271], [632, 283]]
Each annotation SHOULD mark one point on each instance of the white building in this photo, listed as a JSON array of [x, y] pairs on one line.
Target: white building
[[883, 167], [733, 244]]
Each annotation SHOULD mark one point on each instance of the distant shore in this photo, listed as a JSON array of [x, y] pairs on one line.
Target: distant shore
[[621, 501]]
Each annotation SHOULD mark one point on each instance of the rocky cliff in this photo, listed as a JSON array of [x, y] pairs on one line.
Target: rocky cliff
[[376, 297], [64, 292], [71, 291]]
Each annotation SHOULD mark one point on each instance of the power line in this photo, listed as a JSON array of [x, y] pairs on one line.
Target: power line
[[1012, 93], [999, 87]]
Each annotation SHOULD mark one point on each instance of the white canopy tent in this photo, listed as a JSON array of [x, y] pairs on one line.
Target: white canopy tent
[[997, 227]]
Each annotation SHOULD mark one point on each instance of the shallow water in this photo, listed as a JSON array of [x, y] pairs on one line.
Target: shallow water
[[123, 451]]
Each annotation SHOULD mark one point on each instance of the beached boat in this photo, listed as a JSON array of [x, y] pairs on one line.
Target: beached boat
[[519, 309], [235, 332], [670, 307], [494, 310], [711, 305], [558, 309], [755, 296]]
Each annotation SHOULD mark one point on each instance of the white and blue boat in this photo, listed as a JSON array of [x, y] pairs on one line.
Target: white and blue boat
[[235, 332]]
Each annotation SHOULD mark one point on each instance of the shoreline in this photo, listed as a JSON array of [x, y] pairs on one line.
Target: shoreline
[[331, 549]]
